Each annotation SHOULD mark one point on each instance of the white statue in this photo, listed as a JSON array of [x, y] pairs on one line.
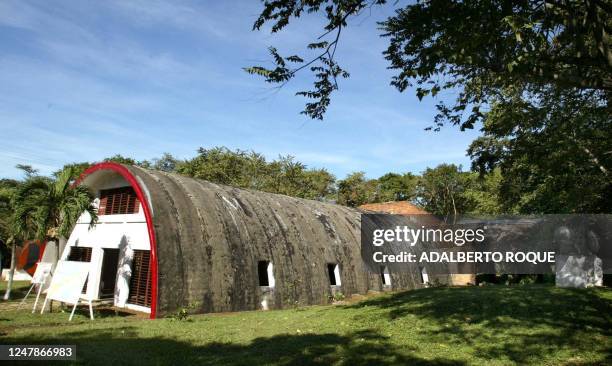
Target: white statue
[[124, 272]]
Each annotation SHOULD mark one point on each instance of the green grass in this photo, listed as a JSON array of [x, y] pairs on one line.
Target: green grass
[[438, 326], [20, 288]]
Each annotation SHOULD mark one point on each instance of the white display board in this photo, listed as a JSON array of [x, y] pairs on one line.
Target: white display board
[[68, 281], [40, 279], [43, 269]]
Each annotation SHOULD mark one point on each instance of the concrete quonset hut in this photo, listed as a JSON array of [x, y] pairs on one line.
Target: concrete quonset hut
[[164, 241]]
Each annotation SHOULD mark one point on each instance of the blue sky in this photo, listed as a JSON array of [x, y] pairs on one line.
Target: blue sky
[[84, 80]]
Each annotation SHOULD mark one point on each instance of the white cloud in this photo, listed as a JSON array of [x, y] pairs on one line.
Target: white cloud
[[92, 79], [42, 20], [156, 13]]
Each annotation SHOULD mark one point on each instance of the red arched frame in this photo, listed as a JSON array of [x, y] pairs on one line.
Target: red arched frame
[[127, 175]]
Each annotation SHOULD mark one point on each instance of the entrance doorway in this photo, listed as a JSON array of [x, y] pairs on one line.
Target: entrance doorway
[[108, 276]]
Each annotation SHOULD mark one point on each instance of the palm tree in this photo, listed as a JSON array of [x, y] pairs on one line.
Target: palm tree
[[48, 209]]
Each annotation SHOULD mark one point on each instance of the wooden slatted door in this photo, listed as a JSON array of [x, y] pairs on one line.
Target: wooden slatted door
[[140, 282]]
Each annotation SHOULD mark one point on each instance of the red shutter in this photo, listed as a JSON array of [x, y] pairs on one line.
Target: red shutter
[[118, 201], [102, 207], [80, 254], [140, 282]]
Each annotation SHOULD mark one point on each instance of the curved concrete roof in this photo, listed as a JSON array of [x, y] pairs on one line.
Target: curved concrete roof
[[207, 239]]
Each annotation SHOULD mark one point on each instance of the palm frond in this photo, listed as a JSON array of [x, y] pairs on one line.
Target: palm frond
[[44, 207], [74, 202]]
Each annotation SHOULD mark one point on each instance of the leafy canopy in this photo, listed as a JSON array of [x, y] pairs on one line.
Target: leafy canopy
[[251, 170], [470, 47], [557, 158]]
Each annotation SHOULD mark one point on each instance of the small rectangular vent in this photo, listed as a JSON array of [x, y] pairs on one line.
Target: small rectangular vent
[[265, 272], [333, 272]]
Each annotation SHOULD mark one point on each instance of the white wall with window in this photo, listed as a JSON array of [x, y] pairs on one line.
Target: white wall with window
[[119, 236]]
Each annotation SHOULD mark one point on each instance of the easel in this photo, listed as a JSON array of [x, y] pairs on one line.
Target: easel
[[28, 294], [75, 305], [81, 299], [67, 284], [43, 271]]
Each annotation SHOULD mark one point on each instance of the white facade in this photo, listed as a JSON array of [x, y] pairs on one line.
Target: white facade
[[124, 232]]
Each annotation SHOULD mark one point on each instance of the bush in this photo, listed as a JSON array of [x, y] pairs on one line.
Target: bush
[[514, 279], [183, 313], [338, 296]]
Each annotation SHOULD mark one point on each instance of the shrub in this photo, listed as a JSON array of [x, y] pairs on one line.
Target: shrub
[[183, 313]]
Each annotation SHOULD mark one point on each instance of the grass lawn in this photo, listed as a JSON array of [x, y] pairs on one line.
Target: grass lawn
[[437, 326]]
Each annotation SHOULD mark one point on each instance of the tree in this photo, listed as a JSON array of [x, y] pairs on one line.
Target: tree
[[7, 230], [52, 206], [482, 193], [167, 163], [76, 168], [47, 209], [251, 170], [6, 193], [220, 165], [537, 74], [118, 158], [396, 187], [557, 158], [320, 185], [440, 191], [286, 176], [28, 170], [355, 190], [10, 233], [473, 47]]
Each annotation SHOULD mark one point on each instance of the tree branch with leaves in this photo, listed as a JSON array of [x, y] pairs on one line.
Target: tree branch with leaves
[[474, 48]]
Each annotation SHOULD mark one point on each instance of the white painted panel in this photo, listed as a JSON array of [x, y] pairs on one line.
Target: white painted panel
[[106, 235], [43, 269], [110, 235], [134, 307], [126, 218], [68, 281]]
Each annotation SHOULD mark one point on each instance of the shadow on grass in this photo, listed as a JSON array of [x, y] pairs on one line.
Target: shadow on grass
[[18, 291], [518, 323], [99, 312], [506, 325], [125, 346]]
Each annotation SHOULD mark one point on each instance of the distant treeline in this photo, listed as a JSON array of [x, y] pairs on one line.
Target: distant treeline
[[442, 190]]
